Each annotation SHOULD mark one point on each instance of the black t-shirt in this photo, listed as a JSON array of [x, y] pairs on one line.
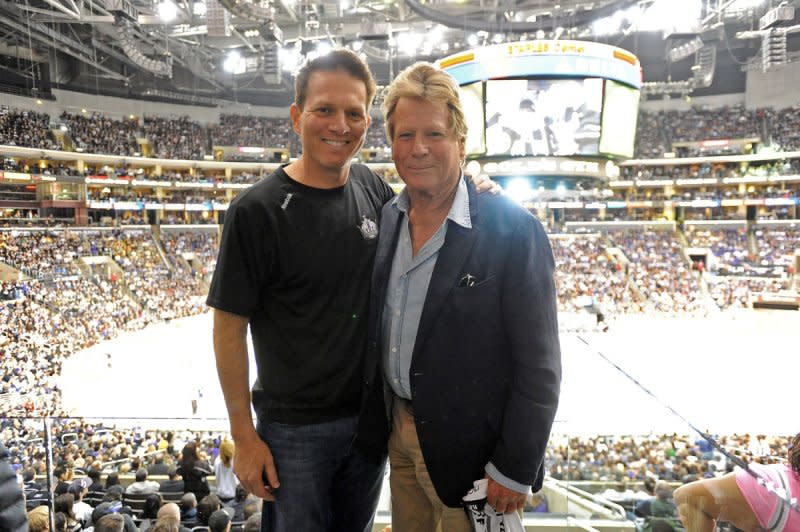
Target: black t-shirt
[[297, 261]]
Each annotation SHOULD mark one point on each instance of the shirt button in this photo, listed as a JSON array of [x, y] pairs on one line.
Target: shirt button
[[394, 350]]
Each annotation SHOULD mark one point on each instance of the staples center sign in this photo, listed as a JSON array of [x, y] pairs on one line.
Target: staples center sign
[[560, 58]]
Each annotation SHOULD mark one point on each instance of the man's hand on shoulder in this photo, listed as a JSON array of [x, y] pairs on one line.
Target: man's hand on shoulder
[[502, 499], [254, 467], [484, 184]]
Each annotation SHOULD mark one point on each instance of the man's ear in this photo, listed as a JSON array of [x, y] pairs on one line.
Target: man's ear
[[294, 113]]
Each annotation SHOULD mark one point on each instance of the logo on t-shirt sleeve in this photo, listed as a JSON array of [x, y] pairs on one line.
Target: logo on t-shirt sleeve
[[368, 228]]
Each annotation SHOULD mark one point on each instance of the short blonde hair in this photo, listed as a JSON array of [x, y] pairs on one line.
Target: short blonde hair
[[425, 81], [39, 519]]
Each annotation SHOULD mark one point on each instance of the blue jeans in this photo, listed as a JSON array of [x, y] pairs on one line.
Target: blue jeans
[[325, 484]]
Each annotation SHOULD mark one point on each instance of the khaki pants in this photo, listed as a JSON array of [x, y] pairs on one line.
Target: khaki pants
[[415, 505]]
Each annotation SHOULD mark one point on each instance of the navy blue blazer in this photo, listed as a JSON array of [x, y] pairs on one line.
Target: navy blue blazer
[[486, 365]]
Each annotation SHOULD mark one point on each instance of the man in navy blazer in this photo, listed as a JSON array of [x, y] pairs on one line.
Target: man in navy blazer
[[464, 336]]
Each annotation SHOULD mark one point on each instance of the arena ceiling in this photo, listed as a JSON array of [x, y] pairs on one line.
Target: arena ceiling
[[244, 50]]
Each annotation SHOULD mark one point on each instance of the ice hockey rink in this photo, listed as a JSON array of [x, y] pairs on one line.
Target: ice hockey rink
[[732, 372]]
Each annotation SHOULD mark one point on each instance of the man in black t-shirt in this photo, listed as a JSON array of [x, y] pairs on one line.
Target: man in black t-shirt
[[295, 261]]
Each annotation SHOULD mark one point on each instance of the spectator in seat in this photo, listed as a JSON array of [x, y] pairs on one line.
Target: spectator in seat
[[194, 471], [78, 489], [29, 480], [171, 512], [114, 493], [223, 470], [159, 466], [112, 480], [643, 508], [253, 523], [110, 523], [64, 476], [60, 522], [113, 508], [219, 521], [64, 503], [239, 502], [173, 484], [253, 506], [142, 486], [38, 519], [94, 475], [207, 506], [167, 524], [189, 509], [150, 511], [662, 505]]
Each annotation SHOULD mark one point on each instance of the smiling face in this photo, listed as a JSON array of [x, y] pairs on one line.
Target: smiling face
[[425, 151], [331, 125]]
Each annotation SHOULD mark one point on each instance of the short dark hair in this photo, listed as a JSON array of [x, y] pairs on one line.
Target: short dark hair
[[207, 506], [151, 506], [219, 521], [141, 475], [340, 59], [188, 501], [253, 523], [60, 521], [64, 503]]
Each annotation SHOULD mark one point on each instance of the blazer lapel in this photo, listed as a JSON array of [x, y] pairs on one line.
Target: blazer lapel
[[446, 274]]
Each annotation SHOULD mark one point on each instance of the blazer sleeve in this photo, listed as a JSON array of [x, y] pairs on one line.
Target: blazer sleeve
[[529, 314]]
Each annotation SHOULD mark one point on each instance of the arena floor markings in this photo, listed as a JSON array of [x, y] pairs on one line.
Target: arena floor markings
[[732, 372]]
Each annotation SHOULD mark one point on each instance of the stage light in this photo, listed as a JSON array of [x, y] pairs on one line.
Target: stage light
[[289, 58], [234, 63], [167, 11], [407, 43], [671, 16], [199, 9], [519, 189], [472, 39]]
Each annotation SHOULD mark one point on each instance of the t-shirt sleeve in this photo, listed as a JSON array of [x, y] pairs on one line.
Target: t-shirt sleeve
[[243, 262], [762, 502], [385, 192]]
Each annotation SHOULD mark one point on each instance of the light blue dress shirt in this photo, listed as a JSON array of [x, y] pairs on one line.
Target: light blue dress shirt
[[408, 288]]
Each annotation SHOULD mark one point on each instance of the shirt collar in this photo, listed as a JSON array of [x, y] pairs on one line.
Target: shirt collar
[[459, 210]]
